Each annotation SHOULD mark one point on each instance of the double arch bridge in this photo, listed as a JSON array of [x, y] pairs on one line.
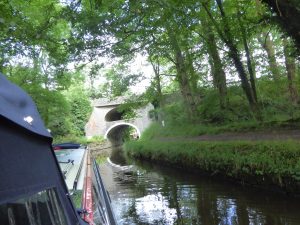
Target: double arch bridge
[[106, 121]]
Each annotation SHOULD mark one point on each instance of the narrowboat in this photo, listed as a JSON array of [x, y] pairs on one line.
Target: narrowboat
[[37, 185]]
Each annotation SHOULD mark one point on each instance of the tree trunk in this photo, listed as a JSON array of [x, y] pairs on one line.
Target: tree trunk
[[185, 88], [182, 77], [248, 56], [159, 97], [290, 65], [288, 16], [234, 54], [268, 45], [193, 78], [218, 74], [156, 69]]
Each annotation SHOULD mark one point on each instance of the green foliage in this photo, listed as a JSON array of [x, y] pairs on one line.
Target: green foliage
[[237, 108], [175, 113], [63, 112], [275, 105], [100, 159], [70, 138], [56, 114], [78, 139], [128, 109], [275, 101], [39, 38], [95, 140], [276, 162], [117, 82], [80, 108], [77, 198]]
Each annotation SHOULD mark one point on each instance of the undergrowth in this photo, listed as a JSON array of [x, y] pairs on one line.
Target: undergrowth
[[80, 140], [276, 163]]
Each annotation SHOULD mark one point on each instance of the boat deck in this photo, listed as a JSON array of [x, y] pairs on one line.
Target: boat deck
[[72, 163]]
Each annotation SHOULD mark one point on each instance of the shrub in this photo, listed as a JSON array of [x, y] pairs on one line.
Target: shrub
[[78, 139]]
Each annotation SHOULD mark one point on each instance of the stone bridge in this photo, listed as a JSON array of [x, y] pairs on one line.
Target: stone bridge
[[106, 121]]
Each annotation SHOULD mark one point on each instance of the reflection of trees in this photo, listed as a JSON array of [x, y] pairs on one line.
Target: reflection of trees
[[227, 213], [206, 201], [172, 197], [131, 216], [241, 211], [207, 206]]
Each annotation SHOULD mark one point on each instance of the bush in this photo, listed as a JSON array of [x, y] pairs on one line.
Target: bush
[[80, 140], [95, 140]]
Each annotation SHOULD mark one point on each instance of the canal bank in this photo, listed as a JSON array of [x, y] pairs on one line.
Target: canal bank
[[272, 165]]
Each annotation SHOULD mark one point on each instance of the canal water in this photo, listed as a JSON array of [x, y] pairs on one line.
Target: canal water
[[143, 193]]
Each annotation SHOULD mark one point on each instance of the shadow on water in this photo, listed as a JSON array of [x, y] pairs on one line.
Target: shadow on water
[[154, 194]]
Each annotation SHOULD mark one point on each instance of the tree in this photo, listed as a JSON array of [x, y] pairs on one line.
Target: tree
[[287, 15], [224, 31], [267, 43], [117, 82], [80, 107], [155, 63], [28, 27], [290, 65], [245, 36], [55, 114], [218, 74]]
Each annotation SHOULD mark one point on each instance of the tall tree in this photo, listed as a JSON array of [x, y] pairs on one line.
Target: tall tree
[[225, 33], [155, 63], [245, 36], [290, 66], [218, 74], [288, 16], [268, 45], [117, 82], [182, 75]]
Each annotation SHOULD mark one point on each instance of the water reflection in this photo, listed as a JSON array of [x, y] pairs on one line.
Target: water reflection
[[148, 194]]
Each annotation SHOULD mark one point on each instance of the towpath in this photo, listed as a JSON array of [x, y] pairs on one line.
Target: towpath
[[243, 136]]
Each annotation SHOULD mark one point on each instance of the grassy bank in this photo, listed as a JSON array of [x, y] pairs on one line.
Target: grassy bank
[[190, 130], [268, 164]]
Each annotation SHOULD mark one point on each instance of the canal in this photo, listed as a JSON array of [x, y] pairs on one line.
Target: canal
[[143, 193]]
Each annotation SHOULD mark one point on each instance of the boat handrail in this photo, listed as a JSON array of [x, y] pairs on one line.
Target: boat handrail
[[105, 199]]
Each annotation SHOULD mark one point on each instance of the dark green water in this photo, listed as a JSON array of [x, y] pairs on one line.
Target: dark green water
[[152, 194]]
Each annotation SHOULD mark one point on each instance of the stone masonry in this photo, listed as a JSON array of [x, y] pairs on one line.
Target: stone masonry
[[105, 119]]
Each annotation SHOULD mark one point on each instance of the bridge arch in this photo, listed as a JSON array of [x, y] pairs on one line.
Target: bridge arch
[[122, 124], [113, 115]]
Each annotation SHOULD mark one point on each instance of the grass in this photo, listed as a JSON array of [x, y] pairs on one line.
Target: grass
[[274, 163], [191, 130], [77, 198], [100, 159], [81, 140]]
